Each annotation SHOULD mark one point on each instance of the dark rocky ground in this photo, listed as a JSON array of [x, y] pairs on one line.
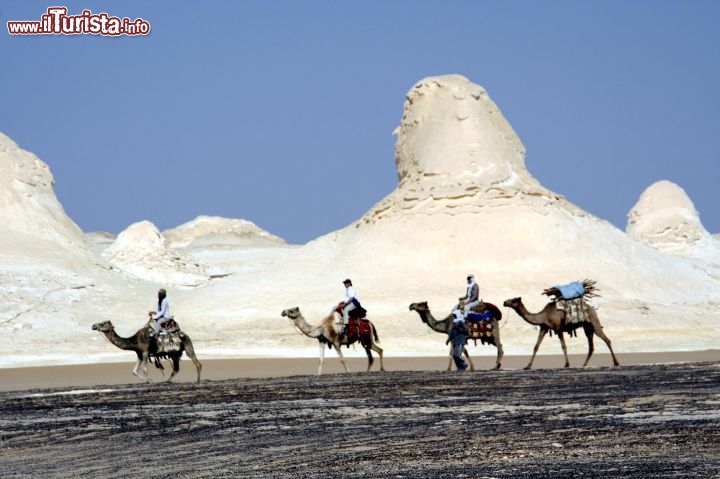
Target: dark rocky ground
[[656, 421]]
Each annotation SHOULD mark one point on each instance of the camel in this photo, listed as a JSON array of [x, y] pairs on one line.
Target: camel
[[145, 348], [443, 325], [553, 319], [326, 334]]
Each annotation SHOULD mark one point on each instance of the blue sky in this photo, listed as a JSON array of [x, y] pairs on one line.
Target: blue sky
[[282, 112]]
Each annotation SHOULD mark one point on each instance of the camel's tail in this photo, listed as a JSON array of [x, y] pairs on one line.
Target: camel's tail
[[375, 334]]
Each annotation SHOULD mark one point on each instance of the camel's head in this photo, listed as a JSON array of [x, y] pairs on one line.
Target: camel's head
[[422, 306], [292, 313], [422, 309], [103, 327], [513, 303]]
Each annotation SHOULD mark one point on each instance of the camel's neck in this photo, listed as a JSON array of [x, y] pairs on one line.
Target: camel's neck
[[306, 328], [440, 325], [120, 342], [532, 318]]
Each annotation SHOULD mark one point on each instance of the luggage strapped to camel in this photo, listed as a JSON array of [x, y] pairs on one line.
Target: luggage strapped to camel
[[571, 298], [169, 338]]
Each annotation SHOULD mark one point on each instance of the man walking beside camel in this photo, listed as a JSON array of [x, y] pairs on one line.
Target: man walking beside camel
[[458, 336]]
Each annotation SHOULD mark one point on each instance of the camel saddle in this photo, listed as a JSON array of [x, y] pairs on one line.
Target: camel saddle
[[480, 322], [169, 339], [484, 312], [171, 326], [357, 329]]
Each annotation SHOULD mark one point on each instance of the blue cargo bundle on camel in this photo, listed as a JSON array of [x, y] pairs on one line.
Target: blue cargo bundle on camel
[[574, 290], [571, 298]]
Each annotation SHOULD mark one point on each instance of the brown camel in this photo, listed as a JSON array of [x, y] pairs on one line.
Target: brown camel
[[443, 325], [146, 348], [553, 319], [327, 334]]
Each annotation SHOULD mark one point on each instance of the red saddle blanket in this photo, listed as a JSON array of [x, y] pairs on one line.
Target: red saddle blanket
[[358, 327], [481, 328]]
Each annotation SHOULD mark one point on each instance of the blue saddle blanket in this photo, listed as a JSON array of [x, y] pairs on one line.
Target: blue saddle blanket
[[571, 290], [479, 317]]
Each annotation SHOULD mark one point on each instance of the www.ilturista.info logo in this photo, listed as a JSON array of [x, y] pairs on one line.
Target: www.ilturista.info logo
[[57, 22]]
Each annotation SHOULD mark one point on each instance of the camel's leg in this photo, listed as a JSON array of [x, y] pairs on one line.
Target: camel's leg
[[136, 369], [498, 344], [140, 369], [599, 331], [368, 346], [321, 358], [467, 355], [378, 350], [145, 360], [450, 361], [190, 351], [338, 348], [374, 346], [561, 337], [175, 367], [368, 351], [542, 334], [589, 332], [602, 335]]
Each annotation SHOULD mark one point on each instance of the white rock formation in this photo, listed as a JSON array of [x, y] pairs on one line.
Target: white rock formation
[[666, 219], [29, 207], [451, 133], [213, 232], [141, 251], [455, 152]]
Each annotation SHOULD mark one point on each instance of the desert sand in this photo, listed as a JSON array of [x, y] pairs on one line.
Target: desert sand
[[90, 375]]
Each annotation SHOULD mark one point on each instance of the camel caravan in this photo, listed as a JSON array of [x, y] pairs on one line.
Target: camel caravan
[[567, 311], [347, 324]]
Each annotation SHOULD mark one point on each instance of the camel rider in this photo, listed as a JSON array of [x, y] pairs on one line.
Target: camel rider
[[162, 315], [458, 337], [472, 295], [350, 301]]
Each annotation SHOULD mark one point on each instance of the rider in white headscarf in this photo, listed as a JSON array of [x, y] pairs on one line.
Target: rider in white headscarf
[[162, 315], [472, 295]]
